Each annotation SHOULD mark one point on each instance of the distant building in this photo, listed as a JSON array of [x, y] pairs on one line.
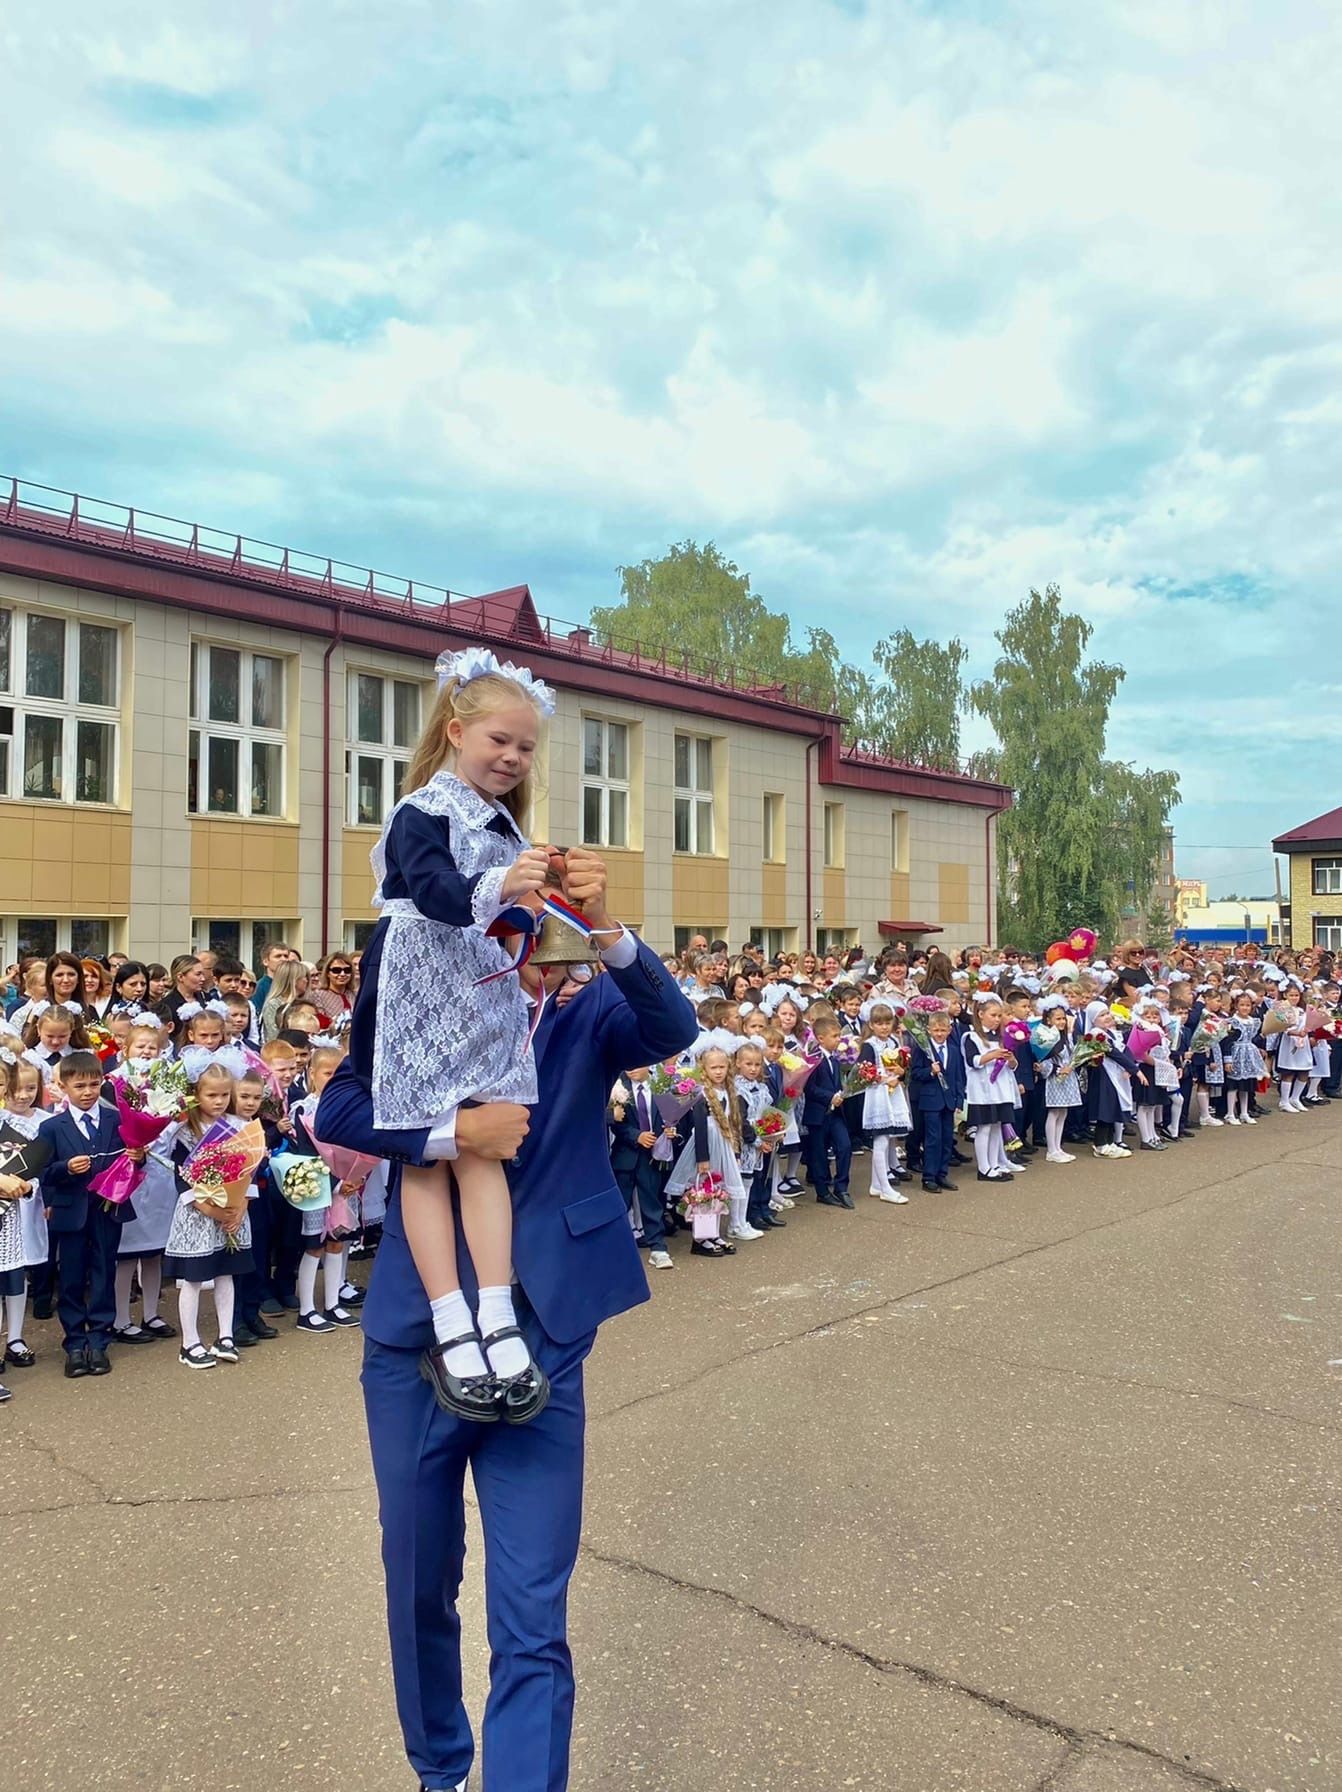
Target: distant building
[[1164, 894], [1190, 892], [1231, 923], [1313, 914]]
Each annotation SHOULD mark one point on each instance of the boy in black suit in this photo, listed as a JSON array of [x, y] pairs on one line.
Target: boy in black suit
[[641, 1179], [85, 1138], [937, 1083], [823, 1123]]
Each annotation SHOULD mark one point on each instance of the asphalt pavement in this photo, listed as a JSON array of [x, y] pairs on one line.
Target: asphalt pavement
[[1026, 1488]]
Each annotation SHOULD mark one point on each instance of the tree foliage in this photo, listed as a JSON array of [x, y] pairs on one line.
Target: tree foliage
[[1083, 830], [1159, 930]]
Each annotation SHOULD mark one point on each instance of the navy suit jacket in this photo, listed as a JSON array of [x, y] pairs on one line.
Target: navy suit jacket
[[573, 1252], [823, 1084], [930, 1092], [67, 1195]]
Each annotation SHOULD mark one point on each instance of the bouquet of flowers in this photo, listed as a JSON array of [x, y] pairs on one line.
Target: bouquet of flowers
[[1318, 1023], [146, 1109], [845, 1052], [1210, 1031], [796, 1073], [1090, 1049], [351, 1169], [1042, 1041], [771, 1125], [1281, 1018], [620, 1096], [895, 1058], [704, 1203], [674, 1091], [304, 1182], [219, 1172], [1142, 1041], [916, 1017], [101, 1043], [863, 1075]]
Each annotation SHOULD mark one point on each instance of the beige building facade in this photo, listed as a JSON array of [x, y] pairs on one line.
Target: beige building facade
[[200, 739], [1312, 912]]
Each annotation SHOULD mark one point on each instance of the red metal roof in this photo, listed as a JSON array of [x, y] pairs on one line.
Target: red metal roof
[[1324, 828], [889, 928]]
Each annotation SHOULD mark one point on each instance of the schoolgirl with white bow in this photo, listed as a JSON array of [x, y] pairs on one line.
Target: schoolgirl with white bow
[[24, 1244], [144, 1239], [201, 1040], [199, 1249], [53, 1031], [440, 1021]]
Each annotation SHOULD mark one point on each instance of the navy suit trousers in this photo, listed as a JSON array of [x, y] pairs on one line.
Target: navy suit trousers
[[86, 1280], [938, 1142], [825, 1138]]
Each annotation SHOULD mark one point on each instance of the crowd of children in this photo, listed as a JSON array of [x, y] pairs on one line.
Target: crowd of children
[[912, 1070]]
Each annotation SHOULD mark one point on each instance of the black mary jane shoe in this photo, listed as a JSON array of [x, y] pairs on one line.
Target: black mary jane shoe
[[159, 1328], [474, 1397], [520, 1396], [707, 1247], [18, 1355]]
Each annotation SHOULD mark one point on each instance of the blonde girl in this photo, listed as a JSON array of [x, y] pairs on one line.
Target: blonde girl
[[718, 1130], [23, 1223], [52, 1033], [885, 1105], [198, 1249], [428, 1036], [990, 1103], [142, 1241]]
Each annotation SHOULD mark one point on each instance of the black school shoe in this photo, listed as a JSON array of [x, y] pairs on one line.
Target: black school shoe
[[99, 1362], [259, 1329], [474, 1397], [18, 1355], [708, 1247], [76, 1364], [525, 1394]]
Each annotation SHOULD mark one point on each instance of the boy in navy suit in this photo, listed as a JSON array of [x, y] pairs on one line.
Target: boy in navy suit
[[937, 1081], [640, 1177], [85, 1137], [823, 1122]]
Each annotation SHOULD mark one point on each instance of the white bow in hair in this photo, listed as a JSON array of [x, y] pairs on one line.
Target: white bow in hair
[[478, 662], [189, 1010], [37, 1009], [716, 1039]]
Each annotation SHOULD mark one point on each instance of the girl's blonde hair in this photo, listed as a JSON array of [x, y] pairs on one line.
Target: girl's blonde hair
[[725, 1114], [9, 1079], [466, 703], [212, 1073], [878, 1011]]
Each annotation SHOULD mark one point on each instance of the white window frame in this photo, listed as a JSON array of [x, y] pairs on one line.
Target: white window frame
[[9, 931], [65, 709], [693, 798], [385, 751], [352, 941], [773, 940], [835, 941], [773, 836], [835, 827], [202, 729], [605, 782], [1328, 932], [288, 931], [1332, 871]]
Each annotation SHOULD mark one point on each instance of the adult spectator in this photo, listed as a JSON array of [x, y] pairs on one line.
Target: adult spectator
[[130, 984], [275, 954], [187, 976], [331, 986], [705, 972], [1130, 974], [288, 981], [97, 982]]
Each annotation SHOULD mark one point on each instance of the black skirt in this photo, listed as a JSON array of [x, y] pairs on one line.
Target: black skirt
[[207, 1268], [13, 1281], [990, 1113]]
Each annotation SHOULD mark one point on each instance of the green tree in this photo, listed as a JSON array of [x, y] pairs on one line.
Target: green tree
[[914, 712], [1082, 828], [1159, 927]]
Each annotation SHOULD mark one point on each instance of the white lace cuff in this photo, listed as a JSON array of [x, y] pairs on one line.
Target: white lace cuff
[[486, 903]]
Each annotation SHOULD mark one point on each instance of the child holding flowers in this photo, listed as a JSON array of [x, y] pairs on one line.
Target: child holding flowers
[[29, 1243], [201, 1248], [1062, 1086], [756, 1159], [323, 1243], [145, 1238], [718, 1130], [885, 1105], [991, 1099]]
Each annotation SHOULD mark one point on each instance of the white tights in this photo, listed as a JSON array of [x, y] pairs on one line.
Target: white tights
[[1291, 1089], [1176, 1112], [1054, 1121], [1146, 1125], [881, 1147], [1204, 1102], [188, 1309], [989, 1151], [151, 1286], [16, 1306]]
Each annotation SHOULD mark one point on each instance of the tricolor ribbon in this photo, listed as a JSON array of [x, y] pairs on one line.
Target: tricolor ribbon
[[527, 922]]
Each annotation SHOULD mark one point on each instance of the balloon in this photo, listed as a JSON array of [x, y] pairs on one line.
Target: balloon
[[1062, 970], [1082, 942], [1059, 949]]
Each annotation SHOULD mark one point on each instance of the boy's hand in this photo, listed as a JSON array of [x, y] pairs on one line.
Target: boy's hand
[[526, 874], [837, 1102], [617, 1115], [78, 1165], [647, 1140], [135, 1153]]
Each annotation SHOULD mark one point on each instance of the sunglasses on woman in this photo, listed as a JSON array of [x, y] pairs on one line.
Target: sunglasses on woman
[[341, 970]]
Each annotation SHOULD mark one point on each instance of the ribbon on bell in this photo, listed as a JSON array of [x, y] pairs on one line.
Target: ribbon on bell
[[526, 920]]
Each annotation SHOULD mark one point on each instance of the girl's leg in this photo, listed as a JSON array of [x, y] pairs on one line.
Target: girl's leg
[[999, 1149], [331, 1267], [880, 1164], [151, 1287], [223, 1305], [308, 1265], [16, 1307], [426, 1213], [1315, 1084], [1204, 1102], [487, 1221], [125, 1275], [1146, 1124], [1054, 1119], [984, 1155], [188, 1312], [1176, 1113]]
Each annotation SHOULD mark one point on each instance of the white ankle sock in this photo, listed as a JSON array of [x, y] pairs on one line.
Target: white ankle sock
[[510, 1356], [452, 1318]]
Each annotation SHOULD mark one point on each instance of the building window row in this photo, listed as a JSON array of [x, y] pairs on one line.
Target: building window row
[[1327, 877], [38, 936], [59, 708], [384, 727]]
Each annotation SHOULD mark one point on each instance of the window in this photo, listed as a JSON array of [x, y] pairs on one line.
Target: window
[[774, 940], [899, 839], [58, 708], [775, 830], [1328, 934], [246, 940], [358, 934], [835, 939], [683, 935], [693, 831], [834, 832], [383, 728], [38, 936], [1327, 877], [235, 758], [605, 782]]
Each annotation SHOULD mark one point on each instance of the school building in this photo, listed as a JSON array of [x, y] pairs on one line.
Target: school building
[[200, 736], [1311, 915]]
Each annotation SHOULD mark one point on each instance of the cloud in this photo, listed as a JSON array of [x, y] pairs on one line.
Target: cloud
[[910, 308]]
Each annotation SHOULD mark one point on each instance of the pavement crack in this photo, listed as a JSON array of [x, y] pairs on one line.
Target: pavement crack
[[1077, 1741]]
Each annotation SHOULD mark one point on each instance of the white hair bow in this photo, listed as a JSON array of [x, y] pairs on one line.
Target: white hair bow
[[478, 662], [189, 1010]]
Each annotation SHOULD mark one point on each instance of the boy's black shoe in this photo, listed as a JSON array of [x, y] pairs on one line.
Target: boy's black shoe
[[958, 1157], [947, 1187], [99, 1362], [41, 1309], [931, 1188], [76, 1364], [259, 1328]]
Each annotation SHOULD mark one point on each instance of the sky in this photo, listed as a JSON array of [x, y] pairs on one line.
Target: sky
[[909, 307]]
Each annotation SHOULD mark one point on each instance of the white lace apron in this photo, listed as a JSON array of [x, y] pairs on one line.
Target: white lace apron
[[440, 1038]]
